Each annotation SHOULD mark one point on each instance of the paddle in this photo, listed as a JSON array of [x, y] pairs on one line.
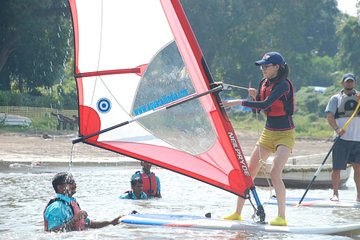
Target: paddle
[[327, 155]]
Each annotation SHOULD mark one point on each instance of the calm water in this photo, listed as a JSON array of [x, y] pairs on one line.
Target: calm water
[[24, 193]]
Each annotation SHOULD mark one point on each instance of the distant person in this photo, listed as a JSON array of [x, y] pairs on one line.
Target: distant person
[[63, 212], [136, 192], [276, 98], [151, 183], [346, 149]]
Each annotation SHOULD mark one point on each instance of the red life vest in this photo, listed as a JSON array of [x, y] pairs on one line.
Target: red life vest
[[80, 225], [284, 106], [149, 183]]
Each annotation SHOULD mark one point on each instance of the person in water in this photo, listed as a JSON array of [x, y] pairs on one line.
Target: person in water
[[136, 191], [347, 148], [276, 98], [151, 183], [63, 212]]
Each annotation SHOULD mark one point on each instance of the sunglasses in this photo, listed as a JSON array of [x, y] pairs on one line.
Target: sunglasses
[[264, 67]]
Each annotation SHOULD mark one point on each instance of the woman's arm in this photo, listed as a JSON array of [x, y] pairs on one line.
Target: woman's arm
[[231, 103], [280, 90]]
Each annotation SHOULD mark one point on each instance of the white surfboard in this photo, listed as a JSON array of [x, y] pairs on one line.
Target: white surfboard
[[190, 221], [318, 202]]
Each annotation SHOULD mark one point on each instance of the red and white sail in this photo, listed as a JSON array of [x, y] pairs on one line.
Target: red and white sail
[[133, 57]]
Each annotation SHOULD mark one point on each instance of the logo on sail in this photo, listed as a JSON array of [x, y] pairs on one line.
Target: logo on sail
[[239, 154], [173, 96], [103, 105]]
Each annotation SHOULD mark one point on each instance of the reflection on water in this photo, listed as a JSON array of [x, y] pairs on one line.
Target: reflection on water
[[24, 194]]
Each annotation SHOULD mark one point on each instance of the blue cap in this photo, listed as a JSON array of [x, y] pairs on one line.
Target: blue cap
[[348, 76], [271, 58]]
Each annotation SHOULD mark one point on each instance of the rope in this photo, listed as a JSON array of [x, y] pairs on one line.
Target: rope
[[71, 157], [235, 86]]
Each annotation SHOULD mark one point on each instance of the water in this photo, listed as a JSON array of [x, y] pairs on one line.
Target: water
[[25, 192]]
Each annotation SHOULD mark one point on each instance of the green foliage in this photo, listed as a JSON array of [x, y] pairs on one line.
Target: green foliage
[[308, 70], [307, 101], [45, 124], [35, 43], [38, 124], [239, 32], [48, 98], [349, 49], [311, 125]]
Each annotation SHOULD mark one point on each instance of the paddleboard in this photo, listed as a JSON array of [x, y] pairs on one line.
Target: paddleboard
[[199, 222], [318, 202]]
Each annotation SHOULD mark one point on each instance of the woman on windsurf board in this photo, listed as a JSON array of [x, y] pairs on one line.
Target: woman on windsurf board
[[276, 98]]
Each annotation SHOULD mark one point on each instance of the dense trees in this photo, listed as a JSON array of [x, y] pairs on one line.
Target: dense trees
[[34, 43], [236, 33], [349, 50], [318, 42]]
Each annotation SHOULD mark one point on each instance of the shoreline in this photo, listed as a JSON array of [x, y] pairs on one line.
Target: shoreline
[[28, 148]]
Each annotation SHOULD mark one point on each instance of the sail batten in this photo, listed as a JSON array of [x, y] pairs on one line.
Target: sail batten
[[161, 109], [110, 72]]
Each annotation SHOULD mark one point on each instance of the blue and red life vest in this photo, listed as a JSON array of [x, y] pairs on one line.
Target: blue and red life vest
[[284, 106], [78, 226]]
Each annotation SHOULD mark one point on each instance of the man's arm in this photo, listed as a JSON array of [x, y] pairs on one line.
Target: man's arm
[[277, 92], [158, 188], [333, 124], [100, 224], [330, 110]]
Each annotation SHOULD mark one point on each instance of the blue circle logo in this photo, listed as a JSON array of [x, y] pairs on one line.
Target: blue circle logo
[[104, 105]]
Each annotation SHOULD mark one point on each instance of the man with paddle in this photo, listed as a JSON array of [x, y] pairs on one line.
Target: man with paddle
[[343, 116]]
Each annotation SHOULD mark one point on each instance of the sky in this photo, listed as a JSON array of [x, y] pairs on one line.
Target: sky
[[347, 6]]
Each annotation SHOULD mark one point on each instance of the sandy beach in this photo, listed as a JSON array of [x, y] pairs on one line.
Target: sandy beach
[[17, 147]]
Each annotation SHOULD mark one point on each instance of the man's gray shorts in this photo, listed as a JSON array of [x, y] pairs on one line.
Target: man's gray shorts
[[345, 152]]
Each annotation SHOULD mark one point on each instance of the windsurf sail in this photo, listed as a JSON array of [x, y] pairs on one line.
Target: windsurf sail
[[144, 91]]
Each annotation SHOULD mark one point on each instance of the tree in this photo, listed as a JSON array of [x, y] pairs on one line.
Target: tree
[[34, 44], [349, 46], [235, 33]]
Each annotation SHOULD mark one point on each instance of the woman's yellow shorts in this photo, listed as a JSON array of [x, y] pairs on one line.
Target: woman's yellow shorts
[[272, 139]]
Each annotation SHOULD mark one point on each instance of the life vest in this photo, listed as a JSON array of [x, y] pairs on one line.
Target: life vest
[[46, 224], [346, 104], [284, 106], [75, 208], [149, 183], [81, 224]]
